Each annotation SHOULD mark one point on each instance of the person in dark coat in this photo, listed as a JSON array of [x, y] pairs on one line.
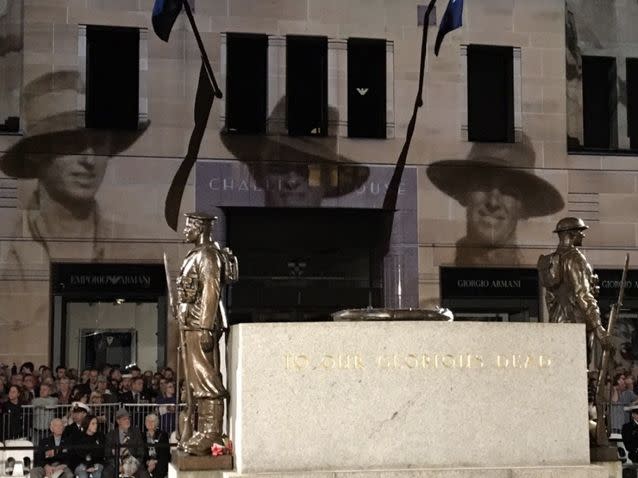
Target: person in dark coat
[[630, 435], [73, 433], [52, 457], [157, 448], [137, 394], [167, 406], [125, 451], [12, 425], [89, 455]]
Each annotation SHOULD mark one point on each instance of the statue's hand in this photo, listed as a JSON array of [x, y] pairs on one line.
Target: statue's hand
[[607, 343], [206, 341], [183, 311]]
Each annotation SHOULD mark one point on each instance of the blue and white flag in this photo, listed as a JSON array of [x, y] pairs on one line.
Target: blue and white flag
[[452, 19]]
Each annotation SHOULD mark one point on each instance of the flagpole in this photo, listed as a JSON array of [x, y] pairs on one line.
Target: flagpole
[[202, 50], [391, 196]]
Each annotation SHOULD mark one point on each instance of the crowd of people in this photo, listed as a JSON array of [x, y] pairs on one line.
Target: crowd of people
[[624, 393], [101, 422]]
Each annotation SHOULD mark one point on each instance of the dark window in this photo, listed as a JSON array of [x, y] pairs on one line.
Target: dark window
[[490, 93], [112, 77], [300, 270], [632, 102], [246, 83], [307, 85], [366, 88], [599, 102]]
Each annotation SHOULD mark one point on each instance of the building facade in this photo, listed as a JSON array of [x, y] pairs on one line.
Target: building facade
[[528, 116]]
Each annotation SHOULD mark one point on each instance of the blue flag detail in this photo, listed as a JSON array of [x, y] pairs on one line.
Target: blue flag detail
[[165, 12], [452, 19]]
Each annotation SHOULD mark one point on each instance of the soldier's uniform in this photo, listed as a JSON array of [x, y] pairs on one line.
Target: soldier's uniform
[[199, 285], [571, 287], [574, 299]]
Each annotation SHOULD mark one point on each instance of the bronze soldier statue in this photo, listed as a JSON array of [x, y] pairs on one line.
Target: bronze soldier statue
[[202, 322], [571, 285]]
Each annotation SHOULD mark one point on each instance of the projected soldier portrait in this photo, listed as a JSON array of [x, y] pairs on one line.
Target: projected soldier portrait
[[498, 188], [68, 163], [296, 171]]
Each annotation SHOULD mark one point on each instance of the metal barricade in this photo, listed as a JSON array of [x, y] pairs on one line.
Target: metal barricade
[[32, 422], [164, 412], [35, 420]]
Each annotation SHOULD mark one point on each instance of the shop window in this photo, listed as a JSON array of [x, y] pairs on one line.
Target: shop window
[[366, 88], [307, 85], [246, 82], [11, 60], [632, 102], [112, 77], [490, 93], [600, 125]]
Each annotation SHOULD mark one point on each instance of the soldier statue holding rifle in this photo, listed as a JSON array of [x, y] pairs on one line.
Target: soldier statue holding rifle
[[570, 283], [202, 321], [571, 290]]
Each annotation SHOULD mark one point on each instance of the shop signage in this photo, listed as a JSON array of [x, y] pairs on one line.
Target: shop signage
[[459, 282], [609, 283], [108, 278]]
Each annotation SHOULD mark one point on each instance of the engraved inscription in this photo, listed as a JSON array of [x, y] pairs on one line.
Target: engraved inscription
[[412, 361]]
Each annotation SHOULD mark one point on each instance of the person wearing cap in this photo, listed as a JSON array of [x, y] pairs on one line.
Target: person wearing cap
[[125, 452], [73, 432], [497, 186], [571, 287], [199, 285]]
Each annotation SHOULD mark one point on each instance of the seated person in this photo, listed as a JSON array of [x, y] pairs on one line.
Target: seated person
[[90, 453], [52, 457], [73, 433], [125, 453], [158, 452]]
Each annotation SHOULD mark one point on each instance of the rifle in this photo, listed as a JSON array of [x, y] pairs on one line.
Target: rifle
[[187, 424], [601, 387]]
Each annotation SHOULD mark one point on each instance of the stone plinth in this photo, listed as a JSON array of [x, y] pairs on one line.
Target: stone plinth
[[398, 395], [185, 462]]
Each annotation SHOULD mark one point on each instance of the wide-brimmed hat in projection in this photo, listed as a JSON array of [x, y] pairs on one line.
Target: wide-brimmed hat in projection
[[51, 128], [335, 173], [511, 163]]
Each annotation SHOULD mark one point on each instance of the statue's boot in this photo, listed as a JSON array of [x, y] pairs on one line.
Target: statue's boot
[[210, 422], [185, 424]]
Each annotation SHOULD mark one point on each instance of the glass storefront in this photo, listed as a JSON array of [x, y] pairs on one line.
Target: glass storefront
[[491, 294], [109, 313]]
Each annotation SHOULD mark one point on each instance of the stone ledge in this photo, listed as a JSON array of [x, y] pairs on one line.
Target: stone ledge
[[587, 471]]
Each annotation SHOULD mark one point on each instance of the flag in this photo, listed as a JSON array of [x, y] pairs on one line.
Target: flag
[[452, 19], [165, 12]]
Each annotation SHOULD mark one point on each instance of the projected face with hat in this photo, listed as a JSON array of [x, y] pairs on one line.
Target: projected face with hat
[[498, 187], [296, 171], [68, 160]]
